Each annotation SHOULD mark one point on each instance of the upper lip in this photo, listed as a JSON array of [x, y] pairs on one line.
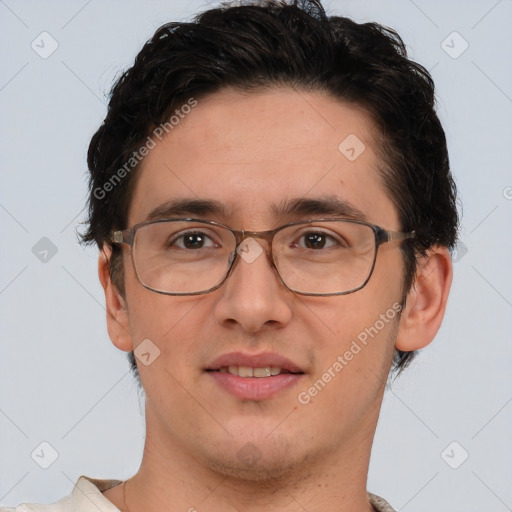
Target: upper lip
[[262, 360]]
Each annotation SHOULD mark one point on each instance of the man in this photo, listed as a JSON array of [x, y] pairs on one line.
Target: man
[[271, 194]]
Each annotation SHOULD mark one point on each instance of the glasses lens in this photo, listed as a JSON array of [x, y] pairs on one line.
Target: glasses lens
[[325, 257], [182, 257]]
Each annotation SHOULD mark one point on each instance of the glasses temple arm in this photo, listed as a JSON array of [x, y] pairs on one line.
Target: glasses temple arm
[[398, 235], [122, 237]]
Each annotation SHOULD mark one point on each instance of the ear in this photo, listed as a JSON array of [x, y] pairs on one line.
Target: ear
[[118, 322], [426, 301]]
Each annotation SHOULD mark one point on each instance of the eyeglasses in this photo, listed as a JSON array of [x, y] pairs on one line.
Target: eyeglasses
[[311, 257]]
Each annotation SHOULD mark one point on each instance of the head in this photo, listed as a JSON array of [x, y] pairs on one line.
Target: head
[[248, 106]]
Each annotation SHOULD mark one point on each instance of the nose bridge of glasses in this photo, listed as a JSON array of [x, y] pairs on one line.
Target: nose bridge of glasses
[[243, 235], [250, 252]]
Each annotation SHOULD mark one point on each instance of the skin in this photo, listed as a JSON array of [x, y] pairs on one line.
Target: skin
[[247, 151]]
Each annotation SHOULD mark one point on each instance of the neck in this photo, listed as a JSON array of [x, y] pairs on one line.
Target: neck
[[171, 479]]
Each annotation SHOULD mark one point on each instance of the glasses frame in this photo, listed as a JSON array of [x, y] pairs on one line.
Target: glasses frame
[[127, 236]]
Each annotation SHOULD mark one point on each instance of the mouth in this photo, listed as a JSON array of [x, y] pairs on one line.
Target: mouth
[[264, 364], [254, 377], [259, 373]]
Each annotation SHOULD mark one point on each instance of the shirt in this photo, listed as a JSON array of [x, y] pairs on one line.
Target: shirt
[[87, 497]]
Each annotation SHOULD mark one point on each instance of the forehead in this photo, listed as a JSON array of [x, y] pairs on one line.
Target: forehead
[[254, 151]]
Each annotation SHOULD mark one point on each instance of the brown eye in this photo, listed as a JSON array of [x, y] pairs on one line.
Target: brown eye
[[315, 240], [192, 240]]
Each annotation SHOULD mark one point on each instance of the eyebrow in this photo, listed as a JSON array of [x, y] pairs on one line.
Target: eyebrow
[[324, 205], [295, 207], [187, 207]]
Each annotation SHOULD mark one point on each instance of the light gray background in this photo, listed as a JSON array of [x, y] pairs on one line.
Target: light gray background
[[64, 383]]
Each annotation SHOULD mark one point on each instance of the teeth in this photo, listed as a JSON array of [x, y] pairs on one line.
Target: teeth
[[261, 372], [247, 371]]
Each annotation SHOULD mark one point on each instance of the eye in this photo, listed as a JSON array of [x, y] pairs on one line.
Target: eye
[[318, 240], [192, 240]]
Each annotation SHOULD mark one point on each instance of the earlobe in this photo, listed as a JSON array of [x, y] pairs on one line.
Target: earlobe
[[118, 324], [426, 301]]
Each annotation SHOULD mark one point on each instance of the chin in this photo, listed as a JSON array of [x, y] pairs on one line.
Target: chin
[[262, 472], [261, 462]]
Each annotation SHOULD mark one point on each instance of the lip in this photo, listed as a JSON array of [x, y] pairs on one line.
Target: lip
[[254, 388]]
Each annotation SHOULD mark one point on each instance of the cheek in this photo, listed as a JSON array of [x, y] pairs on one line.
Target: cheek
[[363, 337], [356, 350], [173, 330], [347, 318], [352, 377], [152, 315], [169, 323]]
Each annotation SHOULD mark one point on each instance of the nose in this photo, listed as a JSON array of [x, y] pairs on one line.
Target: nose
[[253, 298]]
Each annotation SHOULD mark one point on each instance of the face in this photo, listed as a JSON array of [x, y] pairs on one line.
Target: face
[[248, 152]]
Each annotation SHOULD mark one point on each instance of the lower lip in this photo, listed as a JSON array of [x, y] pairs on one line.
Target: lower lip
[[255, 388]]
